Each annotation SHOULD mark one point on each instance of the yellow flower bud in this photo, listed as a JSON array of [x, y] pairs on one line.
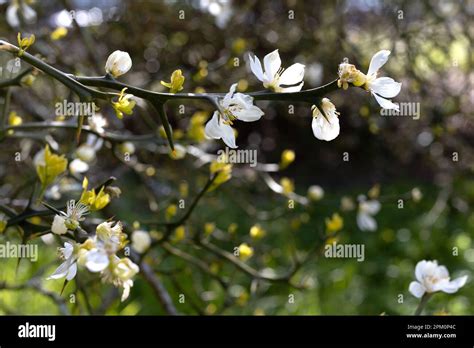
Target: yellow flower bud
[[179, 233], [287, 157], [232, 228], [58, 33], [209, 227], [196, 126], [184, 189], [245, 251], [24, 43], [287, 185], [223, 171], [171, 211], [334, 224], [177, 81], [257, 232], [14, 119]]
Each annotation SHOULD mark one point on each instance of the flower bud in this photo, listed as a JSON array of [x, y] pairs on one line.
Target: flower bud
[[315, 193], [59, 225], [257, 232], [85, 153], [287, 157], [141, 241], [118, 63], [245, 251]]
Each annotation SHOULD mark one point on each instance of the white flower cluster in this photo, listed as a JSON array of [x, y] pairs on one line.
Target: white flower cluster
[[325, 125], [98, 254]]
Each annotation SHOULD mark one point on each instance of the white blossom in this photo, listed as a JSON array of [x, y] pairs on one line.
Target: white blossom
[[274, 76], [432, 278], [382, 88], [367, 208], [15, 8], [78, 166], [315, 193], [325, 127], [97, 123], [141, 241], [234, 106]]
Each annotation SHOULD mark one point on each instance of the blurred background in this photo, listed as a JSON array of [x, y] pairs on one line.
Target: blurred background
[[431, 45]]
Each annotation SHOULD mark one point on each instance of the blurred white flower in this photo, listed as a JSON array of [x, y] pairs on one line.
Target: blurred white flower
[[97, 123], [127, 147], [325, 127], [315, 193], [382, 87], [234, 106], [17, 8], [275, 77], [68, 268], [118, 63], [141, 241], [78, 166], [431, 278], [87, 150], [367, 209]]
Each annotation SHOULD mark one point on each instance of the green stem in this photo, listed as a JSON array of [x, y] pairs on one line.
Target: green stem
[[423, 302]]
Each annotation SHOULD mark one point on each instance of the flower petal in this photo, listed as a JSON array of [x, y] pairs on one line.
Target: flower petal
[[385, 103], [454, 285], [28, 14], [97, 260], [256, 67], [228, 136], [272, 63], [372, 207], [71, 272], [386, 87], [420, 270], [78, 166], [61, 271], [67, 250], [377, 61], [416, 289], [365, 222], [12, 16], [251, 114], [212, 129], [217, 130], [441, 272], [229, 96], [293, 75], [326, 129]]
